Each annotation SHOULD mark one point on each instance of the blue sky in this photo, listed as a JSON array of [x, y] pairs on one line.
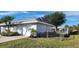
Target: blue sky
[[71, 16]]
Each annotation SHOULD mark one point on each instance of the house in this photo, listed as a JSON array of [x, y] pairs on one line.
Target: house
[[23, 26]]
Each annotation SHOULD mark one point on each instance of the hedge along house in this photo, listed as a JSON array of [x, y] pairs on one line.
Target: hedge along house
[[23, 27]]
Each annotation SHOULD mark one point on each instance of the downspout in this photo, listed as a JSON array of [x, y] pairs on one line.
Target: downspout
[[47, 31]]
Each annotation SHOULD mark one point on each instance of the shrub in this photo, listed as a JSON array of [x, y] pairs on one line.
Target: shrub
[[9, 34], [3, 33], [33, 32], [50, 34]]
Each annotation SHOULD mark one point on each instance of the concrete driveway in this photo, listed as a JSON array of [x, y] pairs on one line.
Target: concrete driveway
[[5, 39]]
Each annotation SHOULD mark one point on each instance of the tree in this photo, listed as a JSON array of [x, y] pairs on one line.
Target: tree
[[7, 20], [33, 32], [78, 27], [67, 26], [1, 21], [56, 18], [43, 19], [74, 27]]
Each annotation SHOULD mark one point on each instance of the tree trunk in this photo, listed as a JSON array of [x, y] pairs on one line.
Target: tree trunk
[[56, 28], [8, 28], [9, 23]]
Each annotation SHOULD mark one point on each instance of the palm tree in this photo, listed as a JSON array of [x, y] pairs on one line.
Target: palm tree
[[7, 20]]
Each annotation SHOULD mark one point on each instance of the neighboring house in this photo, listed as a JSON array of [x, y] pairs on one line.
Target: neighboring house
[[63, 30], [23, 26]]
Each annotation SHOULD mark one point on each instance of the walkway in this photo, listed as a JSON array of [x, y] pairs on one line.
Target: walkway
[[5, 39]]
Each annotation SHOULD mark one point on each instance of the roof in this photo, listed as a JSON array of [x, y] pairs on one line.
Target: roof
[[27, 21]]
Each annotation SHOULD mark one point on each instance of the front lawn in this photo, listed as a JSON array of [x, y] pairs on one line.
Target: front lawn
[[71, 42]]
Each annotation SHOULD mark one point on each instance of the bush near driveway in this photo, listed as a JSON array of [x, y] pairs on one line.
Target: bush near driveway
[[9, 34]]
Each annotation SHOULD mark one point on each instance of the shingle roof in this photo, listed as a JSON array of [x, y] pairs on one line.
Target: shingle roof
[[26, 21]]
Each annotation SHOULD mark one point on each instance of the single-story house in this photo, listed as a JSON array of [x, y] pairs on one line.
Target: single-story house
[[23, 26]]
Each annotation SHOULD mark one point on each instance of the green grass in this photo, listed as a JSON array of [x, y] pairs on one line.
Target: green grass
[[72, 42]]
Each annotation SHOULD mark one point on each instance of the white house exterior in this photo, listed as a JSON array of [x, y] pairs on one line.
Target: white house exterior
[[23, 26]]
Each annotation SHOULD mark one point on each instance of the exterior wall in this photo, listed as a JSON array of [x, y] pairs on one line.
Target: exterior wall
[[13, 29], [24, 28], [21, 29], [3, 29], [41, 28]]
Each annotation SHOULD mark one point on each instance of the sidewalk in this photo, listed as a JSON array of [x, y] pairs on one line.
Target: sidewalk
[[5, 39]]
